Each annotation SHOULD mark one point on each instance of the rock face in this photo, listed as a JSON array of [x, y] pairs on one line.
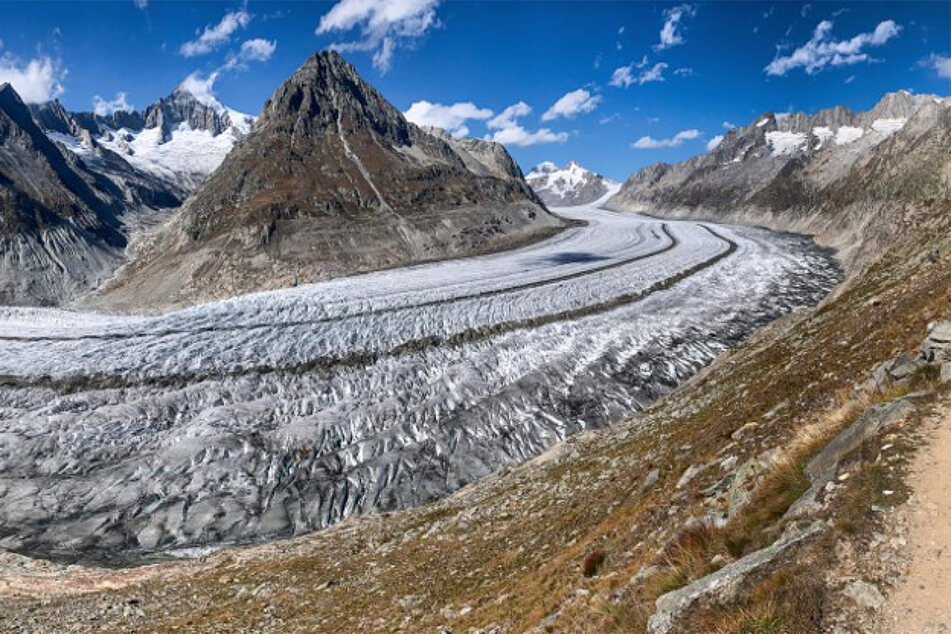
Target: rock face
[[827, 174], [567, 186], [60, 231], [333, 180]]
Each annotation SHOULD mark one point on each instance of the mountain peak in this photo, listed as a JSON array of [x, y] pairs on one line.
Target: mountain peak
[[326, 94]]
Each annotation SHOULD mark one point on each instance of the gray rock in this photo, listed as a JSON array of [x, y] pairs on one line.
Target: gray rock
[[722, 585], [651, 479], [936, 348], [864, 595], [821, 469]]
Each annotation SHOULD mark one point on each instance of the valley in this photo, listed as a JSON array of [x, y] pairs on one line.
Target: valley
[[129, 437]]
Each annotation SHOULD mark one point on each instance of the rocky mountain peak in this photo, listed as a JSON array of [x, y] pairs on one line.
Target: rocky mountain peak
[[567, 186], [183, 106], [327, 95]]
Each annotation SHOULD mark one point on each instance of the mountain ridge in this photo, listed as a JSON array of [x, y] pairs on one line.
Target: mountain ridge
[[792, 172]]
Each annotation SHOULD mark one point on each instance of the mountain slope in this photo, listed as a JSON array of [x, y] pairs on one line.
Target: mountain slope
[[826, 174], [568, 185], [59, 223], [332, 180]]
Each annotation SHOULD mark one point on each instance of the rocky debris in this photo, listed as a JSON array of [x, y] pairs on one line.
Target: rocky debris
[[864, 595], [332, 180], [722, 585]]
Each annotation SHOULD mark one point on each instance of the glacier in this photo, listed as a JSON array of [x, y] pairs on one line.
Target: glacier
[[125, 438]]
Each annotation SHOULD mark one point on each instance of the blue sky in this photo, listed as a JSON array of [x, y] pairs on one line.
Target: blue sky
[[680, 71]]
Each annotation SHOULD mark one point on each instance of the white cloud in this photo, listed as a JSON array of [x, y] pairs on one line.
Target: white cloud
[[141, 4], [452, 118], [620, 31], [215, 36], [684, 72], [104, 108], [940, 64], [509, 131], [715, 141], [573, 103], [37, 81], [506, 118], [201, 87], [727, 125], [609, 118], [384, 25], [624, 76], [849, 79], [670, 34], [519, 136], [256, 50], [650, 143], [822, 50]]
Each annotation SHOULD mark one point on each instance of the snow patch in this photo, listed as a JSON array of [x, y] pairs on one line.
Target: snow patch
[[848, 134], [823, 133], [786, 143], [186, 152], [762, 122], [888, 126]]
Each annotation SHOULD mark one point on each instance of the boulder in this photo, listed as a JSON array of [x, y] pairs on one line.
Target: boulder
[[722, 585], [936, 348]]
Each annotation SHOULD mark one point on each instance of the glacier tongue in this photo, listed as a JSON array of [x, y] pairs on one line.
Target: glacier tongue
[[127, 437]]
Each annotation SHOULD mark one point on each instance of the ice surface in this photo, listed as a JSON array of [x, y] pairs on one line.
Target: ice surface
[[281, 412]]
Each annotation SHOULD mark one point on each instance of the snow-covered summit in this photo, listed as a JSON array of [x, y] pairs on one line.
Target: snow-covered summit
[[180, 138], [567, 186]]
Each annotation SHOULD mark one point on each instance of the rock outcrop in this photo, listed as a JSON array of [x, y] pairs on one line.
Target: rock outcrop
[[333, 180]]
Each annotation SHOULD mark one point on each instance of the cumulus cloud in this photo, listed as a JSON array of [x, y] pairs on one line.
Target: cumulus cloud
[[104, 108], [508, 131], [624, 76], [201, 87], [215, 36], [715, 141], [452, 118], [650, 143], [670, 34], [36, 81], [256, 50], [384, 25], [822, 50], [519, 136], [573, 103], [939, 63]]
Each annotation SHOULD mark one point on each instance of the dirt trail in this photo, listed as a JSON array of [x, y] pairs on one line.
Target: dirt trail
[[921, 603]]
